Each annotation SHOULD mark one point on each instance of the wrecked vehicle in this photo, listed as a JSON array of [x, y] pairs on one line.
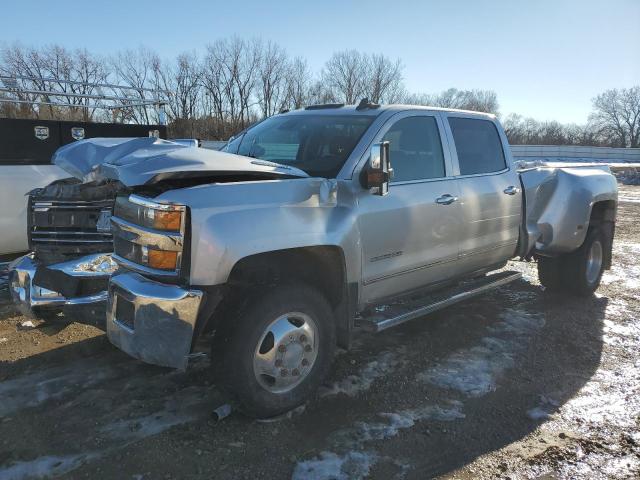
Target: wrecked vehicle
[[276, 249], [26, 148], [70, 242]]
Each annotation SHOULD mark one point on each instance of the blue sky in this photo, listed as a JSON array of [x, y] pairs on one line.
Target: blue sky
[[544, 58]]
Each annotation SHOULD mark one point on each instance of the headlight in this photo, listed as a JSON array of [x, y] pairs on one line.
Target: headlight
[[157, 216], [149, 236], [163, 220]]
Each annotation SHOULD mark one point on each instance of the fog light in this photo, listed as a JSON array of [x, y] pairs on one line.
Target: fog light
[[163, 260]]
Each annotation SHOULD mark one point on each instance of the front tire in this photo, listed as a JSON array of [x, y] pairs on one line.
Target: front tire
[[274, 352]]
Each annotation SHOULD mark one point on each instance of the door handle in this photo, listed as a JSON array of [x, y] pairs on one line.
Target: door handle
[[511, 190], [446, 199]]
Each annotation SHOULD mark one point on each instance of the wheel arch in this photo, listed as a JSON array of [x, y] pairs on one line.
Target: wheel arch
[[322, 267]]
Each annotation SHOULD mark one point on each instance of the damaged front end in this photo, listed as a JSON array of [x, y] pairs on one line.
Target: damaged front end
[[70, 263], [69, 224]]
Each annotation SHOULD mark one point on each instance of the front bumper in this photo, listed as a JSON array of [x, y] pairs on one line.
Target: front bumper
[[30, 298], [151, 321]]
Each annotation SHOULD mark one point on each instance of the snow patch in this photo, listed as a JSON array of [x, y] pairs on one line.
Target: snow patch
[[629, 280], [33, 389], [186, 406], [616, 308], [475, 371], [330, 466], [352, 385], [538, 413], [394, 422], [628, 199], [45, 467], [544, 410], [607, 399], [356, 464]]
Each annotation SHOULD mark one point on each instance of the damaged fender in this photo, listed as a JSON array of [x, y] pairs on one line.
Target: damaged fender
[[558, 203]]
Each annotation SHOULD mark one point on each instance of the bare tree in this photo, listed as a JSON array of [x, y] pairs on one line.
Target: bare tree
[[75, 76], [137, 69], [528, 131], [617, 116], [382, 79], [183, 80], [229, 76], [62, 76], [238, 81], [215, 83], [273, 79], [89, 70], [476, 100], [19, 61], [344, 76], [299, 81]]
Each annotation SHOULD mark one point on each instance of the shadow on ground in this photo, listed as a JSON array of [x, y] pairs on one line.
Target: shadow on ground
[[447, 389]]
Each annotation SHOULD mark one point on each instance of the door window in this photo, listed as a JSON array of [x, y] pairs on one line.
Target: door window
[[415, 149], [478, 145]]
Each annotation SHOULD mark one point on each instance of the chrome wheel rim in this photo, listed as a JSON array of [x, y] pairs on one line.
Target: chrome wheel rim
[[594, 262], [286, 352]]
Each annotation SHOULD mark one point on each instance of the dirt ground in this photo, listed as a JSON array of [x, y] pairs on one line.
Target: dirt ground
[[519, 383]]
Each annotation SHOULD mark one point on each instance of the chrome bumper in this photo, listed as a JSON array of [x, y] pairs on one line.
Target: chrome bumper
[[151, 321], [29, 297]]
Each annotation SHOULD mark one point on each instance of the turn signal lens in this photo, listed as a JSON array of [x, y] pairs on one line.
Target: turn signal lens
[[163, 260], [167, 220]]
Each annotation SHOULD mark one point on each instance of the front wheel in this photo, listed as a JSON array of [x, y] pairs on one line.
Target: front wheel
[[275, 351]]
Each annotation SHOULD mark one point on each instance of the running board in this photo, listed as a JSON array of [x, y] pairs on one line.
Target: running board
[[383, 317]]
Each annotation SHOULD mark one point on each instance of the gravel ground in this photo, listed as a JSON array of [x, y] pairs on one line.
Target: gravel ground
[[519, 383]]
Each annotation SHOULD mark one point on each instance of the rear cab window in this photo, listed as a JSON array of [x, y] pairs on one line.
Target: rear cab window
[[478, 146]]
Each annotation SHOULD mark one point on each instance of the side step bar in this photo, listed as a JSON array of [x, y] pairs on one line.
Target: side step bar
[[387, 316]]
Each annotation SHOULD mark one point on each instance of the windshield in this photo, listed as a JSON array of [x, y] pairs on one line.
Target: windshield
[[319, 145]]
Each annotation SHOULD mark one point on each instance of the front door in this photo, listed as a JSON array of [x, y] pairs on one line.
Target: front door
[[410, 236]]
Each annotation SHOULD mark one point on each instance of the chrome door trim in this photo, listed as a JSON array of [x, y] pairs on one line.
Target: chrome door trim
[[411, 270], [485, 250]]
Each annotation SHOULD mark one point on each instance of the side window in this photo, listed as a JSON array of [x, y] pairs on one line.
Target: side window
[[478, 145], [415, 149]]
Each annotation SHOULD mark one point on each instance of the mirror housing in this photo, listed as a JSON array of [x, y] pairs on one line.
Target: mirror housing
[[378, 171]]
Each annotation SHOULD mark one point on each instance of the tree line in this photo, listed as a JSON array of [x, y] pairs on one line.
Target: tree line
[[235, 82]]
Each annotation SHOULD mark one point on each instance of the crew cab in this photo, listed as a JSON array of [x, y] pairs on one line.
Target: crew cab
[[284, 243]]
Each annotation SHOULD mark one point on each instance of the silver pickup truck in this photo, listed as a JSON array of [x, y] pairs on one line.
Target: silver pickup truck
[[314, 219]]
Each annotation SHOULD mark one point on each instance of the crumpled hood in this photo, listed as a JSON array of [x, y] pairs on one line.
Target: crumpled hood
[[144, 161]]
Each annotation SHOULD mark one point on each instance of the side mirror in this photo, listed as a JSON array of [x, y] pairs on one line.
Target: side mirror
[[378, 172]]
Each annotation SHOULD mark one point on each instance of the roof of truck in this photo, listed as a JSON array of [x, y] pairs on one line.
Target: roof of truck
[[339, 109]]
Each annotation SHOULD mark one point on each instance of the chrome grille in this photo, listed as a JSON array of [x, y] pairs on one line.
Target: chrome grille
[[66, 222]]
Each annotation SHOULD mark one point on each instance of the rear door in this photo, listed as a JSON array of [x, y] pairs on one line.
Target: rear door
[[488, 186], [409, 236]]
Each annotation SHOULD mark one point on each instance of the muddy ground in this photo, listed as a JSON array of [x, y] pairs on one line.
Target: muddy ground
[[520, 383]]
